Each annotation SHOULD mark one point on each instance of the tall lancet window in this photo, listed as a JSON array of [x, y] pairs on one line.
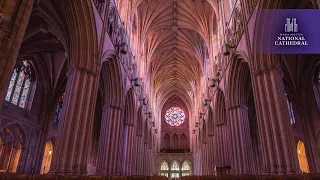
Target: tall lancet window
[[164, 169], [20, 83], [59, 109], [290, 110], [186, 168]]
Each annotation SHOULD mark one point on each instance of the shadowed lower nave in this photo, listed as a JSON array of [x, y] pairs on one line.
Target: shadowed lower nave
[[153, 87]]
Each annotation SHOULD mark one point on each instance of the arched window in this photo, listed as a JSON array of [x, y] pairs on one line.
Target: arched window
[[175, 141], [186, 168], [47, 156], [175, 169], [175, 116], [59, 109], [290, 110], [20, 83], [167, 141], [302, 157], [164, 169], [12, 138], [184, 142]]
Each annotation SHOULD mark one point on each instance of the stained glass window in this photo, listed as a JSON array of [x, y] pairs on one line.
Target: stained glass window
[[59, 109], [290, 110], [164, 166], [11, 84], [164, 169], [175, 166], [186, 168], [20, 84], [175, 116]]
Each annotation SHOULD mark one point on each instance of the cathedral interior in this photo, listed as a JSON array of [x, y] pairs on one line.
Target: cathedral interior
[[153, 89]]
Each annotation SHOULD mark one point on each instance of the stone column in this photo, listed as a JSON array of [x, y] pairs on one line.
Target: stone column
[[145, 158], [108, 162], [74, 132], [138, 158], [204, 159], [277, 144], [210, 155], [241, 140], [219, 145], [130, 149], [16, 14]]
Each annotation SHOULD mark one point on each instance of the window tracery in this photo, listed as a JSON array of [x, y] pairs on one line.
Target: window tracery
[[59, 109], [290, 110], [175, 116], [186, 168], [20, 83], [164, 169]]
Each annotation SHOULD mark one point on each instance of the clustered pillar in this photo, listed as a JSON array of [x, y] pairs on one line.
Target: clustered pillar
[[108, 162], [274, 124], [74, 132], [241, 140]]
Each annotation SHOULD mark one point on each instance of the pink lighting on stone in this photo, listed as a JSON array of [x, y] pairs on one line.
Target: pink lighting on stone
[[68, 105]]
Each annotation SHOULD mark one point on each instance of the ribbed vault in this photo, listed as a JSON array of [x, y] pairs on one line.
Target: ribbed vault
[[175, 37]]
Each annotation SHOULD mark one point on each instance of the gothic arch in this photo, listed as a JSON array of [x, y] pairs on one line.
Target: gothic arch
[[111, 76], [129, 115], [82, 28], [211, 125], [140, 120], [14, 144], [204, 132], [238, 79], [220, 108]]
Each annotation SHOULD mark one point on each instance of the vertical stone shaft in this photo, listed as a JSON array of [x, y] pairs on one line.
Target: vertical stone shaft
[[219, 146], [241, 140], [16, 15], [108, 162], [70, 154], [274, 122]]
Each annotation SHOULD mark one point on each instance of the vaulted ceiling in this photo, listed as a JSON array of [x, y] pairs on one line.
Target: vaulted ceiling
[[175, 36]]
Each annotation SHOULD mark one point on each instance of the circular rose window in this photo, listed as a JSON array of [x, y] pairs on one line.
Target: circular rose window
[[175, 116]]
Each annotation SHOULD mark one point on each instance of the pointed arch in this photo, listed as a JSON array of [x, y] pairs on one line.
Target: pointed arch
[[166, 144], [139, 124], [13, 139], [302, 157], [220, 108], [211, 125], [175, 141], [238, 79], [111, 76], [47, 157]]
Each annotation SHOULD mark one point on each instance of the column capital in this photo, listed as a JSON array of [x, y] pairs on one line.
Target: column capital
[[83, 69], [111, 106], [238, 106]]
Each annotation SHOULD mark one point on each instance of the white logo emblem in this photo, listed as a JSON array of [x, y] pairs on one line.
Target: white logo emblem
[[291, 25]]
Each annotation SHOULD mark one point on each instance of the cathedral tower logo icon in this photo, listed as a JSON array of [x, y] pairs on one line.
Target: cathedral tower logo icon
[[291, 37], [291, 25]]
